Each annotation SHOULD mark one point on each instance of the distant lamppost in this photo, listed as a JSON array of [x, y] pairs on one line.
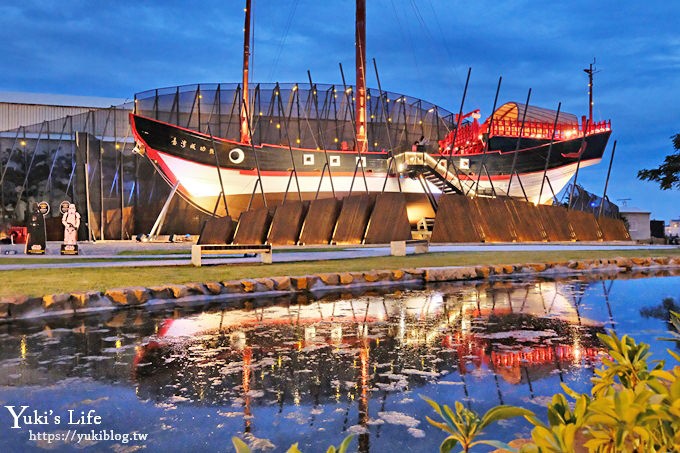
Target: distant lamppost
[[22, 188], [24, 158], [2, 187]]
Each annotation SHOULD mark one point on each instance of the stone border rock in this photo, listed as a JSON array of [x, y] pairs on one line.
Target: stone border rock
[[22, 307]]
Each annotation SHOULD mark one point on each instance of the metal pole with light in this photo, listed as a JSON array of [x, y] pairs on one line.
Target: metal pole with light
[[606, 183], [547, 160]]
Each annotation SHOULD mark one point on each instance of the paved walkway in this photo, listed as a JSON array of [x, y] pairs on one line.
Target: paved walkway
[[110, 251]]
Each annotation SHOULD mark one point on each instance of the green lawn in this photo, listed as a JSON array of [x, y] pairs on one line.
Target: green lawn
[[187, 252], [81, 259], [38, 282]]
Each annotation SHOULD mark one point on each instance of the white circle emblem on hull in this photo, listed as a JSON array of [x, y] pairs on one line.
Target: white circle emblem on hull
[[236, 156]]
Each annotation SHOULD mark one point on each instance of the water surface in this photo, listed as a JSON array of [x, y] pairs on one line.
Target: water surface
[[275, 372]]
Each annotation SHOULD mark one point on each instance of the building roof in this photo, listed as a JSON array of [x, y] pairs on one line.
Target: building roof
[[13, 97], [632, 210]]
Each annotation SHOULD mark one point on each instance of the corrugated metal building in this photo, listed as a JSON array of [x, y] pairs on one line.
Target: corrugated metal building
[[25, 109], [56, 148]]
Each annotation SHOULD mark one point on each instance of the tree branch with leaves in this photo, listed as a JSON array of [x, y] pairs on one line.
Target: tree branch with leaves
[[668, 173]]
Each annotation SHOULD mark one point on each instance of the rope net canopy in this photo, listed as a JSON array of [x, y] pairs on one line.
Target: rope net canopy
[[291, 113]]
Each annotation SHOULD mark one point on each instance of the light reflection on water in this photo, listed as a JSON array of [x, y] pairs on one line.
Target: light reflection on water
[[312, 371]]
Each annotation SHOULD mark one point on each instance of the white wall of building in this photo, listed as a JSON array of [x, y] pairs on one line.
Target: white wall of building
[[673, 228], [638, 225]]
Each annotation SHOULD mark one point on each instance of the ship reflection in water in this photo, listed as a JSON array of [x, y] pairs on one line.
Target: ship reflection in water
[[277, 372], [354, 354]]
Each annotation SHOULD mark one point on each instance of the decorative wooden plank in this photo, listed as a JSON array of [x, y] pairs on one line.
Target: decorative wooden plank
[[455, 220], [585, 225], [253, 226], [556, 223], [492, 217], [389, 220], [216, 230], [613, 229], [320, 221], [526, 220], [287, 223], [353, 219]]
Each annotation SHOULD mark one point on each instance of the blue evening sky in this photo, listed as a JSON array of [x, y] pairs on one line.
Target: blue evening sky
[[422, 47]]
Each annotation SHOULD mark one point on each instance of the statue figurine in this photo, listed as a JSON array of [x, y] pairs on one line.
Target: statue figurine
[[71, 222], [36, 239]]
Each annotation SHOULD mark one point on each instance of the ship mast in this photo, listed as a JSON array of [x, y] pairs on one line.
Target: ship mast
[[590, 71], [360, 95], [245, 136]]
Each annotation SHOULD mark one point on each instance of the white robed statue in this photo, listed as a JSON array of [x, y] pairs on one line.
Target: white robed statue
[[71, 222]]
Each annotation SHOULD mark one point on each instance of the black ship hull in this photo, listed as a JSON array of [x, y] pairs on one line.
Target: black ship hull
[[191, 160]]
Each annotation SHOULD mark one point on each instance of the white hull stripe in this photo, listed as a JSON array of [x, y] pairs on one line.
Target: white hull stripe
[[199, 180]]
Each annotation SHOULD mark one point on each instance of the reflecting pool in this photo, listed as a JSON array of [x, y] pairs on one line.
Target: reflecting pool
[[313, 369]]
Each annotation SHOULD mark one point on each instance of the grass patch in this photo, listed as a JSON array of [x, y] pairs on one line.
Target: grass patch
[[155, 252], [38, 282], [187, 252], [65, 260]]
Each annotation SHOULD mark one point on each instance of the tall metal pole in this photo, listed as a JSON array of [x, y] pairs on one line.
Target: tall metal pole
[[578, 162], [449, 161], [102, 213], [360, 95], [199, 96], [121, 181], [322, 140], [219, 173], [86, 164], [348, 97], [547, 160], [286, 119], [257, 164], [245, 123], [29, 166], [519, 139], [488, 139], [387, 126], [609, 171]]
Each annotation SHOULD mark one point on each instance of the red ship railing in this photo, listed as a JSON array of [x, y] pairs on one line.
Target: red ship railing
[[540, 130], [469, 135]]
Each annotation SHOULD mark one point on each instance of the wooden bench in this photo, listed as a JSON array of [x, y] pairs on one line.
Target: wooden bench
[[198, 250], [398, 248]]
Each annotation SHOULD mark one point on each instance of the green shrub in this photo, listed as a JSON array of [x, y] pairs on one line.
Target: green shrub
[[464, 425], [632, 407]]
